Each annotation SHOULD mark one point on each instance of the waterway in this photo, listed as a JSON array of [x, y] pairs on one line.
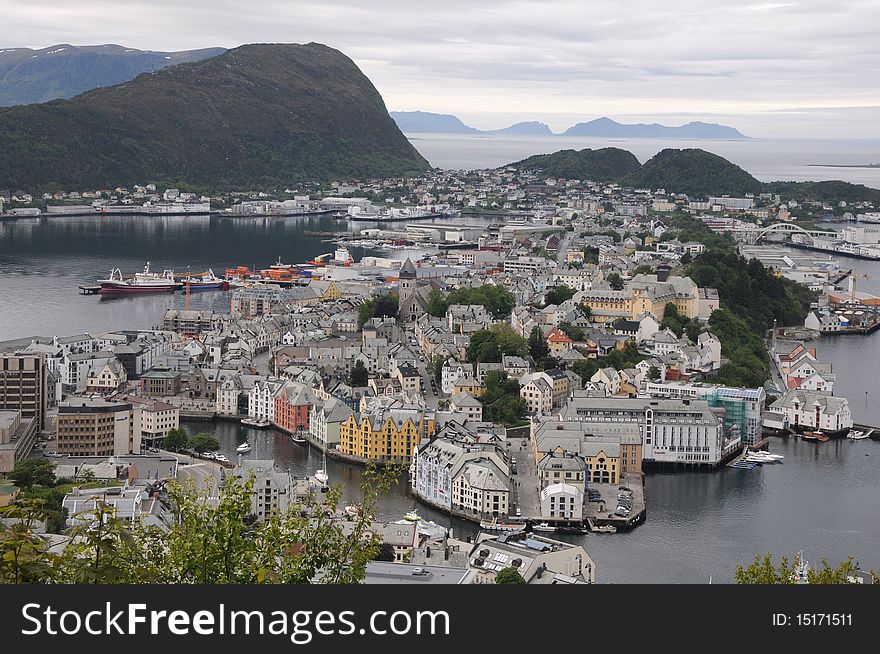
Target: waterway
[[823, 500]]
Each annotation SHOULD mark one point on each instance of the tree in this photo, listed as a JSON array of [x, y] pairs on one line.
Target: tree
[[489, 345], [653, 373], [386, 553], [509, 576], [643, 269], [763, 571], [177, 439], [386, 306], [204, 442], [218, 542], [538, 348], [87, 476], [437, 303], [558, 295], [586, 310], [34, 470], [615, 281], [359, 375]]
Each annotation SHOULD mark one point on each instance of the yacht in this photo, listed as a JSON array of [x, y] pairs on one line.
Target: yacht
[[321, 475], [412, 516], [543, 527], [244, 447], [858, 435]]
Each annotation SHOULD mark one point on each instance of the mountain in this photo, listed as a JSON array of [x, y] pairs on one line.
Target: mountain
[[426, 122], [605, 127], [63, 71], [257, 115], [604, 165], [692, 171], [531, 128], [827, 191]]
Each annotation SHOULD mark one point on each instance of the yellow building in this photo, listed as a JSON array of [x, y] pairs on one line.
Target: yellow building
[[386, 434], [644, 293], [470, 385]]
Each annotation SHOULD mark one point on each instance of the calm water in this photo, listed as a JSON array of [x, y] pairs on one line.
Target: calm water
[[822, 500], [768, 160]]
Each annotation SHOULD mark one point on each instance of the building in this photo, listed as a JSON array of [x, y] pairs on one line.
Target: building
[[17, 437], [538, 559], [189, 323], [325, 421], [467, 407], [154, 419], [385, 434], [23, 382], [537, 393], [743, 407], [97, 427], [107, 379], [560, 466], [412, 303], [293, 406], [671, 430], [562, 501], [272, 490], [800, 410], [160, 381]]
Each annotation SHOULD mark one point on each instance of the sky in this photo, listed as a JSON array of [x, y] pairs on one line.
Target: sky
[[791, 69]]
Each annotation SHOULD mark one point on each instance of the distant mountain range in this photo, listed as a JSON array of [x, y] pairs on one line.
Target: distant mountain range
[[63, 71], [257, 115], [426, 122]]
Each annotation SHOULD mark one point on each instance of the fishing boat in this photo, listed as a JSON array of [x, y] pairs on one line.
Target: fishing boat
[[412, 516], [543, 527], [262, 423], [342, 257], [142, 282], [494, 525], [244, 447], [206, 281]]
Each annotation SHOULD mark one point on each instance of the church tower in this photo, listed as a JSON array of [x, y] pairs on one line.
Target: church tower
[[407, 289]]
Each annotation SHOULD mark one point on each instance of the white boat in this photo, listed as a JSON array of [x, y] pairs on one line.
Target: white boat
[[543, 527], [222, 458], [342, 257], [321, 475], [297, 437], [244, 447], [494, 525], [142, 282], [262, 423], [412, 516], [857, 435]]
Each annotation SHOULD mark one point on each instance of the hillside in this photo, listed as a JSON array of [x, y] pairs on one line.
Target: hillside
[[605, 127], [530, 128], [603, 165], [63, 71], [257, 115], [692, 171], [834, 190]]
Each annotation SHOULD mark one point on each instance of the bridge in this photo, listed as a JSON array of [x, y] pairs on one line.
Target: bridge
[[753, 235]]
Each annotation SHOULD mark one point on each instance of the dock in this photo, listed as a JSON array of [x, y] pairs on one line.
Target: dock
[[89, 289]]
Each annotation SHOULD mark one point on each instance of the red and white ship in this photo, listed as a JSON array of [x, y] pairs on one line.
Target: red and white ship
[[143, 282]]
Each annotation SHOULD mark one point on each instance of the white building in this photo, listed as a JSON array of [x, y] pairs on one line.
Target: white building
[[562, 501]]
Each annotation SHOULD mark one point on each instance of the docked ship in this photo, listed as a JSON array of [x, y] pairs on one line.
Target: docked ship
[[206, 281], [142, 282]]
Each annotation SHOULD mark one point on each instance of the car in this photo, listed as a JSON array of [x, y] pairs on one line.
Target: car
[[518, 512], [419, 572]]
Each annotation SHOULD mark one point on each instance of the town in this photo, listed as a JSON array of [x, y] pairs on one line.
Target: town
[[524, 374]]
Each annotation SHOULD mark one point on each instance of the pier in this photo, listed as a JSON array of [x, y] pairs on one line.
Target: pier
[[89, 289]]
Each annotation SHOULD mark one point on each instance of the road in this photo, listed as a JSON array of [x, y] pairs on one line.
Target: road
[[562, 248], [205, 474]]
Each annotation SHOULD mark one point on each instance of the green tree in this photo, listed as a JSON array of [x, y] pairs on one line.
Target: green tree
[[653, 373], [763, 571], [204, 442], [359, 375], [643, 269], [177, 439], [34, 470], [558, 295], [538, 348], [24, 555], [509, 576], [385, 306], [615, 281], [437, 303]]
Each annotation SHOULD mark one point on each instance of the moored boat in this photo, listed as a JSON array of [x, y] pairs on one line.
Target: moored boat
[[543, 527], [812, 436], [206, 281], [494, 525], [244, 447], [142, 282], [262, 423], [412, 516]]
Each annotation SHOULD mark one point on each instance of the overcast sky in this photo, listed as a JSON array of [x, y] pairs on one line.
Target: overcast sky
[[795, 68]]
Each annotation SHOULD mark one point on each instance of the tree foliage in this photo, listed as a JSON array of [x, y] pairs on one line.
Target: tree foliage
[[509, 576], [489, 345], [359, 375], [385, 306], [558, 294], [496, 299], [501, 401], [34, 470], [204, 442], [763, 571], [176, 439], [206, 542]]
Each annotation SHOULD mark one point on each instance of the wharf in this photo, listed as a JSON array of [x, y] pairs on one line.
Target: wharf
[[89, 289]]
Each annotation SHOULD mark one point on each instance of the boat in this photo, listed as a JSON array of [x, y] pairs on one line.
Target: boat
[[262, 423], [142, 282], [342, 257], [244, 447], [206, 281], [297, 437], [494, 525], [812, 436], [572, 529], [823, 438], [543, 527], [605, 529], [857, 435], [221, 458], [412, 516], [321, 475]]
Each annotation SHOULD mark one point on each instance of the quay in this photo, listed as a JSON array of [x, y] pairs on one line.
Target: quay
[[89, 289]]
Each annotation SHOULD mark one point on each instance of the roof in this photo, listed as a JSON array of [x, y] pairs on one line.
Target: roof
[[381, 572]]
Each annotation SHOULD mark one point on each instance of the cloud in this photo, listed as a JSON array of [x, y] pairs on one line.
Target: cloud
[[563, 57]]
